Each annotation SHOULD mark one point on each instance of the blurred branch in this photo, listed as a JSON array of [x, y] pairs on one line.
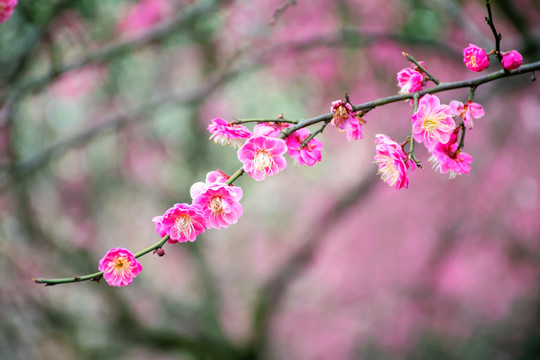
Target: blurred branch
[[113, 122], [279, 11], [275, 289], [108, 52]]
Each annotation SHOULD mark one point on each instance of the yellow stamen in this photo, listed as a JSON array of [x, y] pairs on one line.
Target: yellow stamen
[[216, 205], [263, 161], [387, 170], [184, 225]]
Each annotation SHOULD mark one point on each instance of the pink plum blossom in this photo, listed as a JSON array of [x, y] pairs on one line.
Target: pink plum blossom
[[432, 122], [119, 267], [448, 159], [392, 161], [269, 129], [345, 119], [304, 155], [228, 134], [475, 58], [467, 112], [220, 202], [6, 9], [182, 222], [511, 60], [263, 156], [409, 81]]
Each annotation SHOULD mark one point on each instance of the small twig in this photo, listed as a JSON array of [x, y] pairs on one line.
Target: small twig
[[281, 10], [471, 92], [315, 133], [496, 35], [413, 60], [411, 146], [262, 120], [462, 140]]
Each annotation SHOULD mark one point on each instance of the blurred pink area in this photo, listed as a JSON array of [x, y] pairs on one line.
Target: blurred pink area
[[443, 257], [143, 15]]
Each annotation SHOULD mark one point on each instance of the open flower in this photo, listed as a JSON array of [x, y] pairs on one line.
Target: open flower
[[392, 161], [262, 156], [119, 267], [182, 222], [304, 155], [475, 58], [432, 122], [409, 81], [227, 134], [6, 9], [446, 158], [220, 202], [345, 119], [511, 60], [467, 112]]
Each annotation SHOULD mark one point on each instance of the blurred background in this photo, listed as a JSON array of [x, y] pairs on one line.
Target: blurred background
[[103, 113]]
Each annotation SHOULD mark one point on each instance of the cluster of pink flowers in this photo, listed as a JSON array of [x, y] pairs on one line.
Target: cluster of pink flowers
[[6, 9], [215, 204], [261, 152], [476, 59], [434, 125]]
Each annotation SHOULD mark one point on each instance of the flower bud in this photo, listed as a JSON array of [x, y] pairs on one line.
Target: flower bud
[[511, 60]]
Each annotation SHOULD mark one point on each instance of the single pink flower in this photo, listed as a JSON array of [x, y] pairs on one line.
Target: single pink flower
[[227, 134], [409, 81], [345, 119], [262, 156], [392, 161], [447, 159], [467, 112], [511, 60], [220, 202], [269, 129], [432, 122], [475, 58], [182, 222], [6, 9], [304, 155], [119, 267]]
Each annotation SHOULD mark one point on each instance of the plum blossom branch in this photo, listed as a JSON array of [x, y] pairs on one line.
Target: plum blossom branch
[[98, 275], [436, 89], [327, 118]]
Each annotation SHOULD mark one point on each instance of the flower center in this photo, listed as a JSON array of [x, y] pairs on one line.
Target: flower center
[[387, 169], [472, 61], [184, 225], [341, 115], [121, 266], [263, 161], [216, 205]]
